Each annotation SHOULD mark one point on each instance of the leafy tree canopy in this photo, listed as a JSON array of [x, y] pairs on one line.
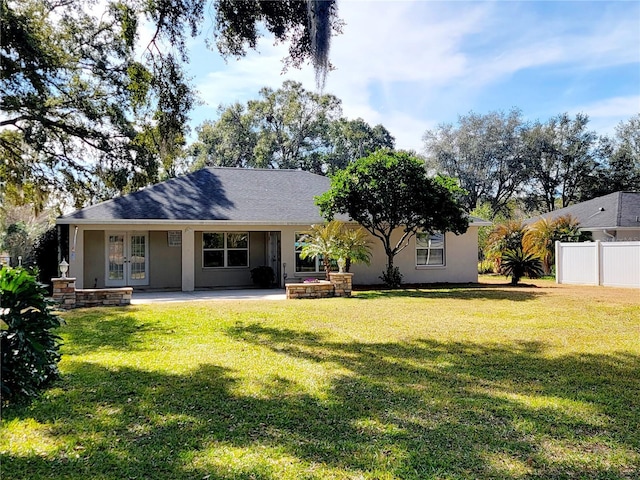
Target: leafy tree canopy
[[503, 161], [286, 128], [389, 192], [85, 111]]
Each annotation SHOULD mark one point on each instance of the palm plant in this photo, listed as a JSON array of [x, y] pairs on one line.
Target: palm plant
[[517, 263], [335, 241], [354, 246], [322, 240], [504, 236], [540, 238]]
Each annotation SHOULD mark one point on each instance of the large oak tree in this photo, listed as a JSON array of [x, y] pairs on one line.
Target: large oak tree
[[85, 110]]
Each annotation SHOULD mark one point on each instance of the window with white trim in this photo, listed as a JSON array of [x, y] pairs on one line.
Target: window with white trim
[[430, 249], [309, 264], [225, 249]]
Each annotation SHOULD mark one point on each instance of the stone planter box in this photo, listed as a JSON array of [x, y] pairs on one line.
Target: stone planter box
[[67, 296], [338, 285]]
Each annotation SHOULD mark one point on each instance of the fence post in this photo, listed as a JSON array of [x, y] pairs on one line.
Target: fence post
[[558, 262], [598, 266]]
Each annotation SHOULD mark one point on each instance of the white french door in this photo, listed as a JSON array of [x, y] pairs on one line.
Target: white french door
[[127, 259]]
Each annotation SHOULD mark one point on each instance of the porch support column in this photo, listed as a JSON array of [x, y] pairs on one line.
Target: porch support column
[[188, 260], [76, 254]]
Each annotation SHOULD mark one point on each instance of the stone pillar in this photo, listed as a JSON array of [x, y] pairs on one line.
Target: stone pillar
[[342, 284], [64, 292]]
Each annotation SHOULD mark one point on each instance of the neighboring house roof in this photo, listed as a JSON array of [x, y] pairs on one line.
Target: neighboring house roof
[[219, 194], [260, 196], [616, 210]]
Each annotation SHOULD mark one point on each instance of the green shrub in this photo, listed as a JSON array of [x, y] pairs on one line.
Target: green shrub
[[391, 277], [263, 276], [45, 253], [486, 266], [29, 345]]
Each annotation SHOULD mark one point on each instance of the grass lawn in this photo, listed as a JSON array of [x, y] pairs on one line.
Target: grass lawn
[[488, 381]]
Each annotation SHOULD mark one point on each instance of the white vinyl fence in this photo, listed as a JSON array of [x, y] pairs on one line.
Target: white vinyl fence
[[612, 264]]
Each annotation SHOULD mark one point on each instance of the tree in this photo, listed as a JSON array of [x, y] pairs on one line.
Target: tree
[[228, 142], [284, 128], [77, 94], [619, 162], [348, 140], [560, 156], [485, 152], [389, 192]]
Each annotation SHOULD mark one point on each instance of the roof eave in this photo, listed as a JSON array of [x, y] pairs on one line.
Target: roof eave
[[84, 221]]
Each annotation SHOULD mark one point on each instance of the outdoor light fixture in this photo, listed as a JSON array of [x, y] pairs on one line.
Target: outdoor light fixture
[[64, 268]]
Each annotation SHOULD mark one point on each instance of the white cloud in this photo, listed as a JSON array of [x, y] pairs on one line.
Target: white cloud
[[411, 65]]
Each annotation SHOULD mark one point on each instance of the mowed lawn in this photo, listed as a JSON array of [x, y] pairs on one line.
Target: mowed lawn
[[489, 381]]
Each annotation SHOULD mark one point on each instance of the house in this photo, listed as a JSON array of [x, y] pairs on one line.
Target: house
[[610, 218], [211, 227]]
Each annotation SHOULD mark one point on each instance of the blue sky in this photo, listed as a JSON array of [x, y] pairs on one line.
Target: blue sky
[[411, 65]]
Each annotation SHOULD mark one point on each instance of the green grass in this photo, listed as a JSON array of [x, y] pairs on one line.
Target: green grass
[[488, 381]]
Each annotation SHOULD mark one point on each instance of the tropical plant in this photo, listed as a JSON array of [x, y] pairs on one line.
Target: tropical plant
[[354, 246], [540, 237], [503, 236], [322, 241], [29, 345], [517, 263]]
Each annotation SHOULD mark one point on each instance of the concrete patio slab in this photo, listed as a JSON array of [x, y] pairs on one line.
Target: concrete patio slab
[[142, 297]]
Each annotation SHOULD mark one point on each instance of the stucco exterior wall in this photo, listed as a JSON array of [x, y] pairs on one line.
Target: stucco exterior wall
[[165, 262], [94, 259], [170, 267], [461, 262]]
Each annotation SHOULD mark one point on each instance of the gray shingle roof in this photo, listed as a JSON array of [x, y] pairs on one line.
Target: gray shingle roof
[[218, 194], [616, 210]]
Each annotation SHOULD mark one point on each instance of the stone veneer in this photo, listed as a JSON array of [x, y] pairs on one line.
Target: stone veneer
[[338, 285], [67, 296]]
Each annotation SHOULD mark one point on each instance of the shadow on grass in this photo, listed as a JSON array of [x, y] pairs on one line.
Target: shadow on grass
[[471, 291], [414, 410], [115, 329]]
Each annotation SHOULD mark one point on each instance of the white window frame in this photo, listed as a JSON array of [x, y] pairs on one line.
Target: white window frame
[[296, 252], [225, 249], [420, 245]]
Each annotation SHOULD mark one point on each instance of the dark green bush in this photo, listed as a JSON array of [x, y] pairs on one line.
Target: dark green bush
[[45, 253], [263, 276], [30, 348], [391, 277]]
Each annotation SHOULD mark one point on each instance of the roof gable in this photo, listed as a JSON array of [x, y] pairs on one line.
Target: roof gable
[[218, 194]]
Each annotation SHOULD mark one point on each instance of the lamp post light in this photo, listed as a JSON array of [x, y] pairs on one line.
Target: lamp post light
[[64, 268]]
